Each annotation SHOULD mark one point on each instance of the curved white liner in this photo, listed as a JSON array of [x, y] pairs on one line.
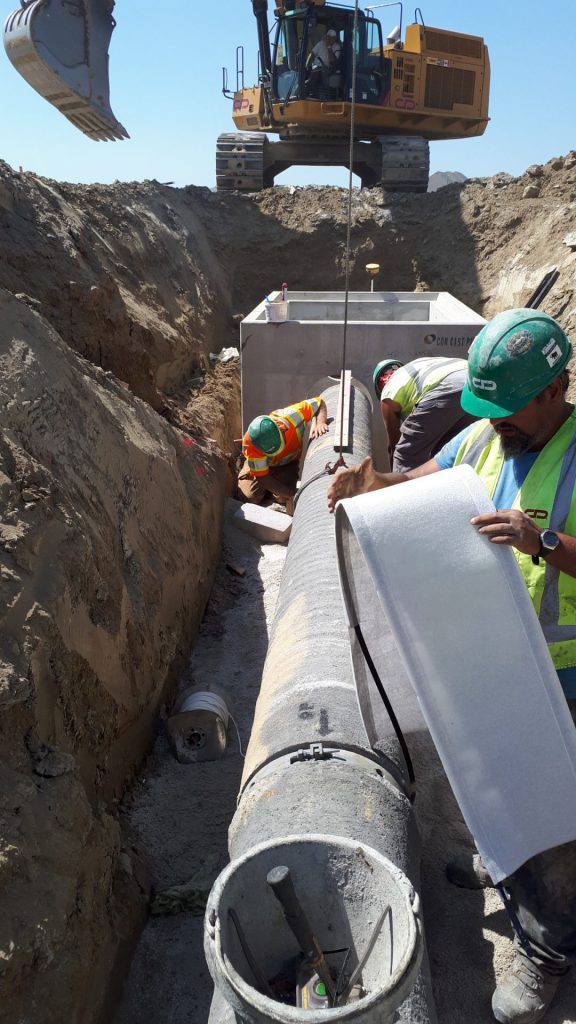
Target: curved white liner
[[473, 648]]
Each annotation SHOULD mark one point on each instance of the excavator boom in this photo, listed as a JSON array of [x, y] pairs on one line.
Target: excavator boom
[[60, 47]]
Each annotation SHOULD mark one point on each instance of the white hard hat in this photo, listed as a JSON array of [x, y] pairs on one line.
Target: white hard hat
[[331, 32]]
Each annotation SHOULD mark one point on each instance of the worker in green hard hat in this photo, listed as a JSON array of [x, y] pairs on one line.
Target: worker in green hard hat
[[271, 449], [524, 449], [420, 405]]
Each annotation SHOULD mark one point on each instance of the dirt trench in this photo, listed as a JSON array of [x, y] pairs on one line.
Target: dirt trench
[[115, 430]]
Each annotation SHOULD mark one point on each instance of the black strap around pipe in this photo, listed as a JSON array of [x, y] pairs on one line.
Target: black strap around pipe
[[389, 709]]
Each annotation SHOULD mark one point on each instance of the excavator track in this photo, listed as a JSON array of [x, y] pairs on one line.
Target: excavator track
[[240, 162], [61, 50], [405, 163]]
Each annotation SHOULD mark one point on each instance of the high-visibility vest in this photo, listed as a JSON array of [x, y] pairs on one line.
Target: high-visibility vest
[[292, 422], [548, 495], [410, 383]]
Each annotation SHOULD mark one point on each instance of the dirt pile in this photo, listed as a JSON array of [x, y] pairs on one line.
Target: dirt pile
[[144, 279], [488, 241], [112, 299]]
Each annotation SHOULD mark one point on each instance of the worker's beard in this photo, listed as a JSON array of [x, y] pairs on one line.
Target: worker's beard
[[514, 442]]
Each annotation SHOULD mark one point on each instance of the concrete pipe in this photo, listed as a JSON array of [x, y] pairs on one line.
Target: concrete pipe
[[309, 765]]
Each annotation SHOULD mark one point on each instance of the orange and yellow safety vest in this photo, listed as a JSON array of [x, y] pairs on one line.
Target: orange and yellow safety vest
[[292, 423]]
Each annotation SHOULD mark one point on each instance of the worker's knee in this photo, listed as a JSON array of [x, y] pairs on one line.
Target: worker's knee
[[251, 490]]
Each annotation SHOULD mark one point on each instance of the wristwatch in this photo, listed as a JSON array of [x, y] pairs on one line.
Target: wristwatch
[[549, 541]]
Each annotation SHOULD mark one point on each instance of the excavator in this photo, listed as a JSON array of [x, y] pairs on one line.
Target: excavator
[[398, 94]]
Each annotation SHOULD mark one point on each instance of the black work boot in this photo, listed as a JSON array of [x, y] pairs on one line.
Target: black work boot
[[524, 994], [468, 871]]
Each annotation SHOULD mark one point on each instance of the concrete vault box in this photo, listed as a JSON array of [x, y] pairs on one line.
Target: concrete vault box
[[283, 361]]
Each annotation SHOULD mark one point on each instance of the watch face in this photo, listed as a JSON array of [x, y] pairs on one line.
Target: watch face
[[550, 540]]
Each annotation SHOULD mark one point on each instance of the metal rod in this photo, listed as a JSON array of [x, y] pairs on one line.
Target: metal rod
[[280, 881], [367, 953], [251, 960], [540, 293]]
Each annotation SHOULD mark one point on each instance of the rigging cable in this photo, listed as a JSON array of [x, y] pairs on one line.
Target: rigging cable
[[349, 222], [372, 668]]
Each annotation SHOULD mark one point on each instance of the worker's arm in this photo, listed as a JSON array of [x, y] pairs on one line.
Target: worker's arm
[[364, 478], [391, 414], [517, 530], [320, 423], [278, 486]]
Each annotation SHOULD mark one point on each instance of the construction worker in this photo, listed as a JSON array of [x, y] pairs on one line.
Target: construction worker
[[271, 448], [525, 452], [420, 404], [323, 60]]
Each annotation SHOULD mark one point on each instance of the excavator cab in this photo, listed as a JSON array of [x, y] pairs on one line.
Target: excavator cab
[[60, 47], [305, 67]]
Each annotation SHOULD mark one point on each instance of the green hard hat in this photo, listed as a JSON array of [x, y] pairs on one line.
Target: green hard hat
[[384, 366], [265, 435], [515, 356]]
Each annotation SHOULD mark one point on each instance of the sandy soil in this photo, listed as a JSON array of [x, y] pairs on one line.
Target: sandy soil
[[178, 815]]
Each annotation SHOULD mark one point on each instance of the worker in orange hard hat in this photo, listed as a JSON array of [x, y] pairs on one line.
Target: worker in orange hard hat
[[271, 448]]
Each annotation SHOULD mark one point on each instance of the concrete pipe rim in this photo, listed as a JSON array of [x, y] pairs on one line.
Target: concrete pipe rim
[[236, 990]]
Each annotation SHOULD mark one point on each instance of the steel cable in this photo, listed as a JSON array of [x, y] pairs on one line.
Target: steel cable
[[349, 218]]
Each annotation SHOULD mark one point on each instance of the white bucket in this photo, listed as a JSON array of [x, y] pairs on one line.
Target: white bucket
[[276, 312]]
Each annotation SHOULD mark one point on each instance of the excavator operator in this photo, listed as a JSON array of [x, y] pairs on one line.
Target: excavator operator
[[323, 60], [523, 447]]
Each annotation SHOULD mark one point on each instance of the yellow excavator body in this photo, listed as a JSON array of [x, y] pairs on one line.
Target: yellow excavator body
[[324, 57], [439, 86]]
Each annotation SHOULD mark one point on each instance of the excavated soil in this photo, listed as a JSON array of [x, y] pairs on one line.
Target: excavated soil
[[115, 438]]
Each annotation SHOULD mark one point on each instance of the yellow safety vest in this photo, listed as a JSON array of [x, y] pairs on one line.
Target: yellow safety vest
[[548, 495]]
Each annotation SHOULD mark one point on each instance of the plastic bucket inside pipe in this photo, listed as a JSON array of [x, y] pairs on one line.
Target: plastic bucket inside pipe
[[361, 909]]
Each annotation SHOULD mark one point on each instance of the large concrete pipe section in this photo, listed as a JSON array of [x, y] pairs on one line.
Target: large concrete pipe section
[[309, 766]]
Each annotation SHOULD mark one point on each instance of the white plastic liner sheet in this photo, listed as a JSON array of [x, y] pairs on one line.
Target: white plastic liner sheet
[[472, 646]]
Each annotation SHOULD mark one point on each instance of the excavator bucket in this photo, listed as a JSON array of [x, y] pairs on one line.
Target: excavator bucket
[[61, 48]]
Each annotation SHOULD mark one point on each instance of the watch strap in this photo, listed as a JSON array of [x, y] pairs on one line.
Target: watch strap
[[536, 558], [543, 551]]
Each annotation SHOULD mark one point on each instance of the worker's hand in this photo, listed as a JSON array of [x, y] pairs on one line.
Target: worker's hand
[[317, 429], [349, 482], [511, 527]]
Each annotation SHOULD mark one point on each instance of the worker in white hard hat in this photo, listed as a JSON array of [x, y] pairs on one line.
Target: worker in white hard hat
[[523, 447], [323, 60]]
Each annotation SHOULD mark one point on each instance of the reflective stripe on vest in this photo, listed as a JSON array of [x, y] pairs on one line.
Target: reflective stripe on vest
[[420, 374], [294, 418], [549, 488], [292, 426]]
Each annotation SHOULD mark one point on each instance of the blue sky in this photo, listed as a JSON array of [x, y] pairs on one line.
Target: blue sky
[[166, 62]]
